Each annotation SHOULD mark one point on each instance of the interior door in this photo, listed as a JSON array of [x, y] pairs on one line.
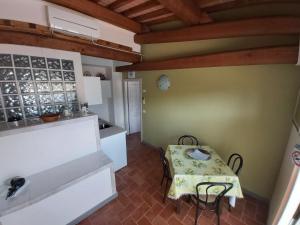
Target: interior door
[[133, 105]]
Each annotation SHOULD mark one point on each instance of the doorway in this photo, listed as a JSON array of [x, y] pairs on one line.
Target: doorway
[[133, 105]]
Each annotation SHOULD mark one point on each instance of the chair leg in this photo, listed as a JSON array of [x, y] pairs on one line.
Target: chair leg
[[197, 213], [218, 212], [162, 180], [166, 190], [229, 206]]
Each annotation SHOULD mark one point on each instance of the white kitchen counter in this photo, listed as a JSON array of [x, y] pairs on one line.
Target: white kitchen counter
[[9, 128], [104, 133], [52, 181]]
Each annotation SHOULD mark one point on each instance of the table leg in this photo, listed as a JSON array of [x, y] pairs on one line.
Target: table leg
[[178, 205]]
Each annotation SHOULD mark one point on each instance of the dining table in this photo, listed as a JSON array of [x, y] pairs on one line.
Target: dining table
[[187, 172]]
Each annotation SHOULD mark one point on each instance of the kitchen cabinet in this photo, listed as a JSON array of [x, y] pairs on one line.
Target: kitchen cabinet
[[92, 90], [113, 144], [106, 88]]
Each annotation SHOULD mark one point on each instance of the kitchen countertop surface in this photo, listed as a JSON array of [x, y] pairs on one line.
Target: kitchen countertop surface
[[107, 132], [10, 128], [61, 177]]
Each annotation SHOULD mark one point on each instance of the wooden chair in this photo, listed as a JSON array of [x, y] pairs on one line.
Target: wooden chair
[[187, 140], [166, 172], [235, 162], [210, 202]]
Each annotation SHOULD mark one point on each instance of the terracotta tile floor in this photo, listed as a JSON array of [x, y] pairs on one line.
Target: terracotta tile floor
[[140, 198]]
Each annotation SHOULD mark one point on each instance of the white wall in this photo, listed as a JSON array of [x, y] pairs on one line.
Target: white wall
[[34, 11]]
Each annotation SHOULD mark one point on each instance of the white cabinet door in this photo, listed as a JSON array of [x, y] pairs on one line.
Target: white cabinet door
[[106, 88], [115, 148], [92, 90]]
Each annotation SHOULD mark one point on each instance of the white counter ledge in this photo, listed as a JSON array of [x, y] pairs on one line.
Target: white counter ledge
[[107, 132], [54, 180], [9, 128]]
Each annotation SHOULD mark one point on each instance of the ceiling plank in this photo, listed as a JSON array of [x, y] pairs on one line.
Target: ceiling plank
[[153, 15], [142, 9], [97, 11], [259, 56], [19, 38], [187, 11], [239, 28], [161, 20], [122, 5], [229, 4]]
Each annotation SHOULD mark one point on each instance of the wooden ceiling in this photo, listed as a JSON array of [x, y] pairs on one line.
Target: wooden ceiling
[[139, 15]]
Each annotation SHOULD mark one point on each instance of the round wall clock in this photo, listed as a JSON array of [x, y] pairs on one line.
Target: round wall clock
[[163, 82]]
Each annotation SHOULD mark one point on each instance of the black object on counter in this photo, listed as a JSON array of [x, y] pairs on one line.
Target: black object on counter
[[16, 183]]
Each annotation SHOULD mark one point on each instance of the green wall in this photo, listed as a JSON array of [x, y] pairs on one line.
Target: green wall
[[243, 109]]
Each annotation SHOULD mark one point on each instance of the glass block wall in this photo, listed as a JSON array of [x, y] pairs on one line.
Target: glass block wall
[[31, 86]]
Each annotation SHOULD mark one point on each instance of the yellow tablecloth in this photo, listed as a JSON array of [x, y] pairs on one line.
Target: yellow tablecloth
[[188, 172]]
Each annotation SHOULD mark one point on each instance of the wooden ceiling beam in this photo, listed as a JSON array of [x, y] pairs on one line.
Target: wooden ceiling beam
[[99, 12], [161, 20], [142, 9], [187, 11], [209, 7], [123, 5], [260, 56], [19, 38], [153, 15], [239, 28]]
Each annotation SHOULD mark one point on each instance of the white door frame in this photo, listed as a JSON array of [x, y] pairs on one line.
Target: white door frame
[[141, 103]]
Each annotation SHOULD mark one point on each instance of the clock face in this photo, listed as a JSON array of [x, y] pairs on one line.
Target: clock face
[[164, 82]]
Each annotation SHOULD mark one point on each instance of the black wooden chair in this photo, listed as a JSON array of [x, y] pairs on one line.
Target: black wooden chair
[[208, 201], [166, 172], [188, 140], [235, 162]]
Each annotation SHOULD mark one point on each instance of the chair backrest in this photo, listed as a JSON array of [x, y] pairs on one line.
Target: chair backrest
[[188, 139], [235, 162], [217, 189], [164, 162]]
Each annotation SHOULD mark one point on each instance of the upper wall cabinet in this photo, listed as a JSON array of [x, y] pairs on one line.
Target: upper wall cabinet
[[93, 90]]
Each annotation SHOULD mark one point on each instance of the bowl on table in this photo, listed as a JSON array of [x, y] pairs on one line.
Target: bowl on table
[[198, 154], [51, 117]]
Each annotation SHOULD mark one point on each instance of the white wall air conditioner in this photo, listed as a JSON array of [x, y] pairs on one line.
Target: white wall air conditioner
[[73, 24]]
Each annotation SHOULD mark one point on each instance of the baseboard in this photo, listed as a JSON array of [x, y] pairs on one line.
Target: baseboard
[[91, 211], [150, 145], [255, 196]]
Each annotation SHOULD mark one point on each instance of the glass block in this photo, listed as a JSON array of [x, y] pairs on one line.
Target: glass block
[[53, 64], [59, 108], [40, 75], [55, 75], [9, 88], [67, 64], [11, 100], [14, 113], [57, 86], [69, 76], [1, 106], [73, 107], [59, 98], [7, 74], [29, 100], [21, 61], [23, 74], [43, 87], [2, 116], [45, 109], [45, 99], [31, 111], [26, 87], [72, 96], [5, 60], [70, 86], [38, 62]]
